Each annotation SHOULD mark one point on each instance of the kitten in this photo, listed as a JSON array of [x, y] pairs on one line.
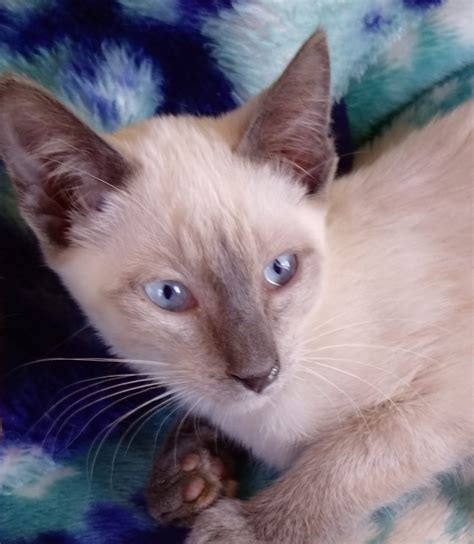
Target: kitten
[[324, 326]]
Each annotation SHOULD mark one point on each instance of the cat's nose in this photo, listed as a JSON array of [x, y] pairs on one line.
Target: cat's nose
[[259, 382]]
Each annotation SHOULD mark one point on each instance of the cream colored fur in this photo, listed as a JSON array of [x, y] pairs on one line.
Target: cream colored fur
[[390, 337], [374, 334]]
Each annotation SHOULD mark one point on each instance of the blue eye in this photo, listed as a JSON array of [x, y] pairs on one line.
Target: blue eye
[[280, 271], [170, 295]]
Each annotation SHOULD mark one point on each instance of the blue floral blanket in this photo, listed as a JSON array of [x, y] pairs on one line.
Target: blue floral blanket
[[74, 453]]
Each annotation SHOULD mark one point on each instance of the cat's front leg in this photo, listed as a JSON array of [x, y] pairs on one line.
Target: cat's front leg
[[227, 522], [339, 481], [193, 469]]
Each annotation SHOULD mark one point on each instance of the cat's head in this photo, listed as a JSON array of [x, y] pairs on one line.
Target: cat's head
[[196, 243]]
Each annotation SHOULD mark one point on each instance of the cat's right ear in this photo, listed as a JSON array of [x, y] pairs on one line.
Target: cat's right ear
[[61, 169], [289, 123]]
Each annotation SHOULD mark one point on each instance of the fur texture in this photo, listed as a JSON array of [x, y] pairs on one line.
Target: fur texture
[[372, 396], [130, 60]]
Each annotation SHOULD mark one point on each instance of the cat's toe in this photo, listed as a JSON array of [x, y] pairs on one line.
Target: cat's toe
[[190, 462], [194, 489], [199, 479]]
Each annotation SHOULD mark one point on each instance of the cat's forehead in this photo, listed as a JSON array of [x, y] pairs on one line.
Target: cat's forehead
[[190, 185], [195, 155]]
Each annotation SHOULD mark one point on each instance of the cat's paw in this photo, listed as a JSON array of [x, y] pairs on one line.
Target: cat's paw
[[187, 479], [224, 523]]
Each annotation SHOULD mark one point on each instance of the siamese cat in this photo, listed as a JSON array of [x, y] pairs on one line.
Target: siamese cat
[[324, 326]]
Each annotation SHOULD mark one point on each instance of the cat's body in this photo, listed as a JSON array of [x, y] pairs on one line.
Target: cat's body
[[396, 295], [355, 373]]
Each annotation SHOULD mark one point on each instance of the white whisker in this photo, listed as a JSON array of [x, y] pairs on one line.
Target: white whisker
[[179, 429], [376, 321], [109, 429], [161, 407], [97, 381], [157, 433], [386, 397], [352, 402], [87, 360], [70, 337], [376, 346], [325, 395], [149, 414], [140, 390], [146, 382]]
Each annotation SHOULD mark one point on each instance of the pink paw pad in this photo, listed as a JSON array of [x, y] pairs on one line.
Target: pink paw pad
[[194, 489], [197, 485]]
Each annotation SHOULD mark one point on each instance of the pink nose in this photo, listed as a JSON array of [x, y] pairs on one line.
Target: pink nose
[[260, 382]]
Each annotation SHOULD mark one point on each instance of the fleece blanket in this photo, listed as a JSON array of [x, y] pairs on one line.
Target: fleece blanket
[[75, 448]]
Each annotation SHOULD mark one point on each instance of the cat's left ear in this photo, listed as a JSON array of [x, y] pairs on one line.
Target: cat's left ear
[[289, 123]]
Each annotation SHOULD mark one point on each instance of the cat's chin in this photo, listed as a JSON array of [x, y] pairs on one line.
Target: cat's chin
[[251, 402], [231, 402]]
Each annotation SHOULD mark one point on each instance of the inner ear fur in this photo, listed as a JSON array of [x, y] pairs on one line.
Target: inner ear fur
[[60, 167], [289, 123]]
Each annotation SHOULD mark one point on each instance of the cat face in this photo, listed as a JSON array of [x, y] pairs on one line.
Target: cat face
[[191, 244], [181, 271]]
